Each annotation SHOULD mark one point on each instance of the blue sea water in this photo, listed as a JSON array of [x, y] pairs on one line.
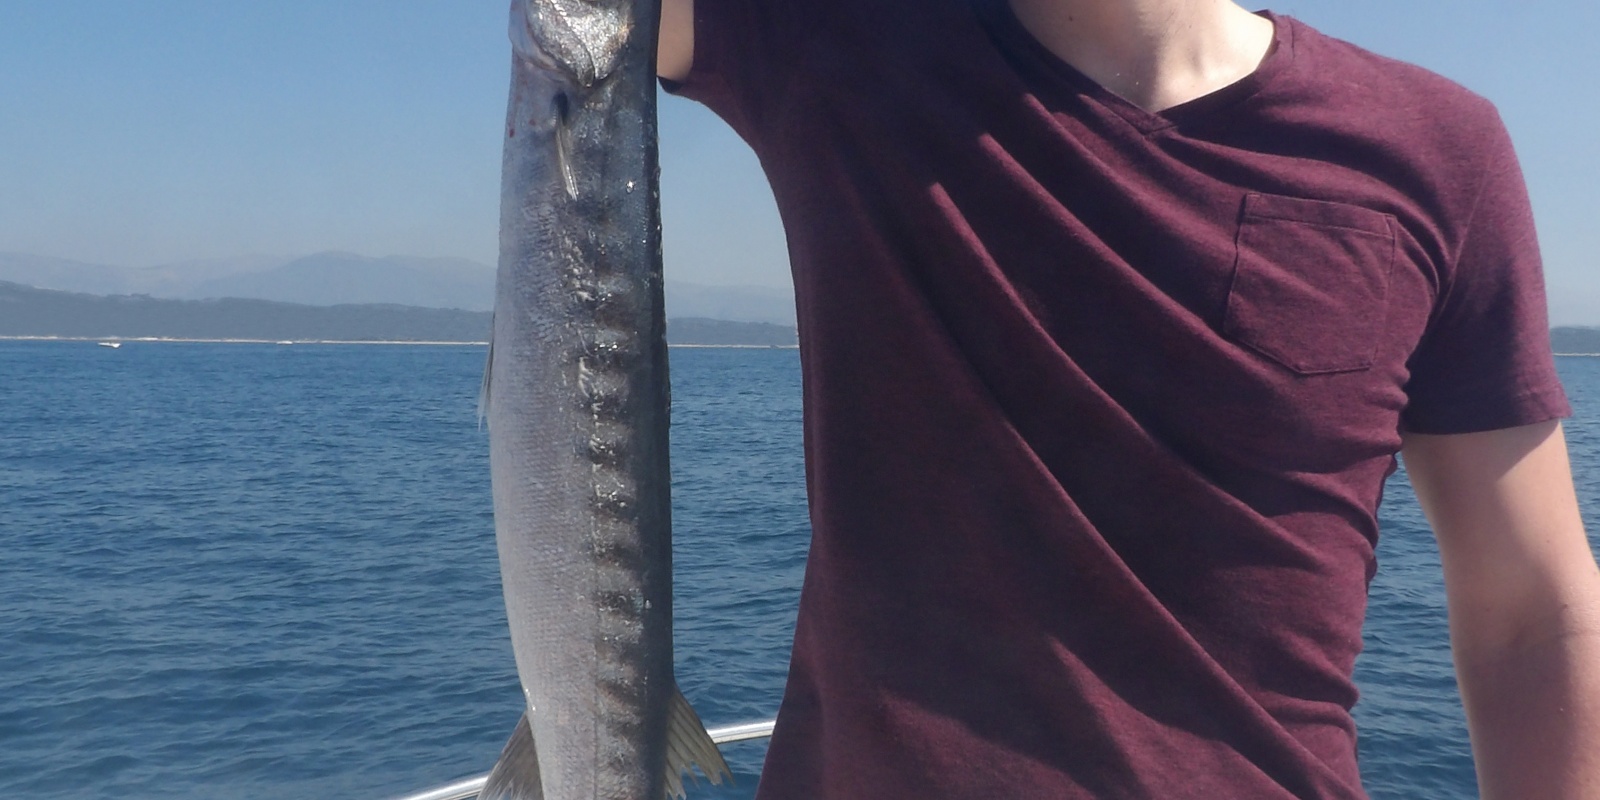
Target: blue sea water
[[258, 571]]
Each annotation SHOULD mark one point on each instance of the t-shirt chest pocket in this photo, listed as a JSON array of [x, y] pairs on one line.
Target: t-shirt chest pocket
[[1310, 283]]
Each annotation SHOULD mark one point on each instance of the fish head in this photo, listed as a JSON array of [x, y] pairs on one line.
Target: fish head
[[583, 40]]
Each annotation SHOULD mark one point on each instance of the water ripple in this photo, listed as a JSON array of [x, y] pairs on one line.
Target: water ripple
[[266, 572]]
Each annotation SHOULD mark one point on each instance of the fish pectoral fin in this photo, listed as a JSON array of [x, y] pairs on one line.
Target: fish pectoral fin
[[488, 373], [689, 746], [516, 775], [564, 155]]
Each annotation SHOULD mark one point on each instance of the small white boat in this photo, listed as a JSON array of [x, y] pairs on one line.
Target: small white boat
[[286, 341], [112, 345]]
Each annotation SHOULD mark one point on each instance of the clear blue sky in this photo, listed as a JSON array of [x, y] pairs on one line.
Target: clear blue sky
[[138, 132]]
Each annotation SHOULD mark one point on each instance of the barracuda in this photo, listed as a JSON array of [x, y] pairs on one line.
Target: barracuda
[[576, 398]]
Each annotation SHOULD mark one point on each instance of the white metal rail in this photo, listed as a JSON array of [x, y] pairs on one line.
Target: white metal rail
[[468, 788]]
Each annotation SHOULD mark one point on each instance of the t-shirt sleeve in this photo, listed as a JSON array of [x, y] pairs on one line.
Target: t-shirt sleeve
[[744, 52], [1485, 361]]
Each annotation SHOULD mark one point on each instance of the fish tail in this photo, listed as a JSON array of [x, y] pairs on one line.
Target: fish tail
[[688, 746], [516, 775]]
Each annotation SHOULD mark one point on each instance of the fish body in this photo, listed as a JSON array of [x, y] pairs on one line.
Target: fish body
[[576, 398]]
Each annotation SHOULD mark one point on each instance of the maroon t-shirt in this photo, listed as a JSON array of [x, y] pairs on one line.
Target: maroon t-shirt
[[1100, 402]]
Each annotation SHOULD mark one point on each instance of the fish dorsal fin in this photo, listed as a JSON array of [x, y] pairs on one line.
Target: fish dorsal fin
[[516, 775], [689, 746]]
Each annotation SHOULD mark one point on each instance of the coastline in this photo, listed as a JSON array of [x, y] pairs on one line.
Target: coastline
[[176, 340], [180, 340]]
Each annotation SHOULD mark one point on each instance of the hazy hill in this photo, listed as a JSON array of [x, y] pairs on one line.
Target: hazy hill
[[1575, 340], [60, 273], [689, 330], [330, 278], [321, 279], [26, 311], [168, 280], [30, 311], [327, 279], [733, 303]]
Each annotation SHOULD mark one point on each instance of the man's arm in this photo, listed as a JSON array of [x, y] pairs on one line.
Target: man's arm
[[675, 42], [1524, 598]]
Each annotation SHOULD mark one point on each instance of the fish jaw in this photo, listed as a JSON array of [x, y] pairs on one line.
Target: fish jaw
[[586, 39]]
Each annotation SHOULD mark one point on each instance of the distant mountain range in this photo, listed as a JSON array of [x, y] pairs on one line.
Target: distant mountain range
[[349, 297], [31, 312], [326, 279]]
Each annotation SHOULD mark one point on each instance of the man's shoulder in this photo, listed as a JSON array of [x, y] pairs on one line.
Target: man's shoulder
[[1381, 90]]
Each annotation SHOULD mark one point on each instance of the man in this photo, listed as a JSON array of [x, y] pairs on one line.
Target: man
[[1114, 314]]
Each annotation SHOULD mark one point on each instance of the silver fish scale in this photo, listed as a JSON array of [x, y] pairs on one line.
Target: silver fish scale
[[577, 411]]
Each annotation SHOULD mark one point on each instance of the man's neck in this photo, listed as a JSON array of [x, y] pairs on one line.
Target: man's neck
[[1154, 53]]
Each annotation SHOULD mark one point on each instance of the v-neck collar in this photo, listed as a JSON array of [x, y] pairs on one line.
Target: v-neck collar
[[1057, 73]]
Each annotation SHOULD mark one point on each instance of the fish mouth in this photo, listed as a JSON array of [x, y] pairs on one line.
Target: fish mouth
[[565, 50], [583, 40]]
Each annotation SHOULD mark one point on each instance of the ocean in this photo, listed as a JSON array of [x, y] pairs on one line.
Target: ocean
[[265, 571]]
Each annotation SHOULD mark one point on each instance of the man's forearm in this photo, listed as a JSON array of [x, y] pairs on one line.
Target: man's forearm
[[1524, 596], [1533, 706]]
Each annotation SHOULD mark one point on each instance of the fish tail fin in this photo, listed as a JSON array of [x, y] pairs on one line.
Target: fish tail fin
[[488, 371], [516, 775], [688, 746]]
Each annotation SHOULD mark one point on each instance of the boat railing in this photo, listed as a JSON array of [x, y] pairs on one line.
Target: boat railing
[[468, 788]]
